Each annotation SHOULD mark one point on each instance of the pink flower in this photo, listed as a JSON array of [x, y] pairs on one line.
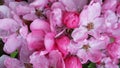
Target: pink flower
[[72, 62], [90, 50], [89, 23], [71, 19], [92, 18]]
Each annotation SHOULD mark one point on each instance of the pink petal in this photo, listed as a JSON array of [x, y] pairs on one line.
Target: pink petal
[[35, 40], [22, 10], [39, 3], [57, 5], [62, 44], [72, 62], [8, 1], [82, 54], [13, 63], [110, 19], [24, 31], [39, 61], [83, 18], [49, 41], [8, 26], [79, 34], [2, 59], [98, 23], [94, 11], [74, 5], [110, 5], [94, 55], [14, 5], [118, 11], [5, 11], [114, 50], [17, 19], [24, 53], [12, 43], [30, 17], [56, 59], [40, 24], [98, 44], [73, 47], [69, 5], [111, 66], [56, 17]]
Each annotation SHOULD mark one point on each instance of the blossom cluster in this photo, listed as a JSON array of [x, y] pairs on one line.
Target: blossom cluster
[[60, 33]]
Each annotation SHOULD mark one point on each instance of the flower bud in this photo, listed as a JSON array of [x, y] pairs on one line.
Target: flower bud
[[71, 19], [72, 62]]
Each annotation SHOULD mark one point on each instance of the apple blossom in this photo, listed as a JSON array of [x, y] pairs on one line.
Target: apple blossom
[[60, 33]]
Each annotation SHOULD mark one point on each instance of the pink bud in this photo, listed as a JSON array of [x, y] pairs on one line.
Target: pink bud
[[71, 19], [62, 44], [72, 62]]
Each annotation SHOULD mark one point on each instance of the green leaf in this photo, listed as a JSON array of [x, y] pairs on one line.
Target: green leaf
[[14, 54], [92, 65]]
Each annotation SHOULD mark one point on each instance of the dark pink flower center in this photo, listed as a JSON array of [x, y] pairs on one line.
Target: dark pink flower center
[[90, 26], [86, 47]]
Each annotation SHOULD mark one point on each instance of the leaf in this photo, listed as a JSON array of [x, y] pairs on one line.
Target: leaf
[[92, 65], [14, 54]]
